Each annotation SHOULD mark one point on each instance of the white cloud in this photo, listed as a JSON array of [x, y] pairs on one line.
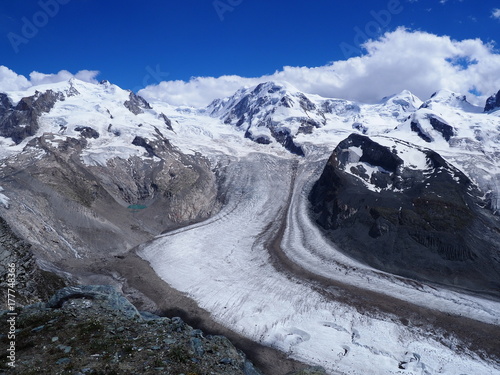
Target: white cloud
[[496, 13], [37, 78], [11, 81], [199, 91], [402, 59]]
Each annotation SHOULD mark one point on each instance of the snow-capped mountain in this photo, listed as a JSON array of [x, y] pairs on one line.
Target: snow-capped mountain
[[100, 126], [270, 111], [279, 112], [104, 155], [90, 171], [103, 125]]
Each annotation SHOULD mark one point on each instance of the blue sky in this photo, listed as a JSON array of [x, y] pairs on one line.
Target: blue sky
[[137, 43]]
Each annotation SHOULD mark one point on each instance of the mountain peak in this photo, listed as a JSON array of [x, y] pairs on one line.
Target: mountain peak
[[450, 99], [448, 96], [270, 111], [272, 87], [493, 103], [405, 99]]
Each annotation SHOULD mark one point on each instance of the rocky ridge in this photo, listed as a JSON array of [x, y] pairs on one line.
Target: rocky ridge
[[21, 121]]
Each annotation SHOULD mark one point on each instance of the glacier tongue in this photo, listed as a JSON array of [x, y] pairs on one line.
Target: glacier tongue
[[240, 283]]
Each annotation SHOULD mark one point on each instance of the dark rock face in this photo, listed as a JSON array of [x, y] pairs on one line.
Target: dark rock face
[[360, 127], [286, 139], [21, 121], [305, 103], [446, 130], [5, 104], [166, 120], [492, 103], [136, 104], [141, 142], [415, 126], [262, 140], [307, 126], [424, 224], [87, 132]]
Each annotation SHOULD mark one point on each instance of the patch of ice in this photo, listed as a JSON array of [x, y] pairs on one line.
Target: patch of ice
[[4, 200]]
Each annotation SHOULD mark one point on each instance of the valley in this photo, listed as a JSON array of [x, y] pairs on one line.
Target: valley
[[207, 213]]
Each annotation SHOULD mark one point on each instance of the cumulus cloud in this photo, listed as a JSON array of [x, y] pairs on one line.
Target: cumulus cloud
[[496, 13], [417, 61], [37, 78], [11, 81], [198, 91]]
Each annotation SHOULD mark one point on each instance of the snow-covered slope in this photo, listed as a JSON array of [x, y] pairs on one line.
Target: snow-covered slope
[[103, 108]]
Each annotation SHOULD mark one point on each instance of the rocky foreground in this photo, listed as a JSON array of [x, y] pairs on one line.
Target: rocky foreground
[[95, 330]]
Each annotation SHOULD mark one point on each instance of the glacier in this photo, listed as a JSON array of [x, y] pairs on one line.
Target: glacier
[[260, 265], [239, 281]]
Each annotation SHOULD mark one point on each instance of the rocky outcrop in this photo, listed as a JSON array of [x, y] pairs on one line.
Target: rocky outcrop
[[492, 103], [442, 127], [284, 137], [415, 127], [87, 132], [166, 120], [424, 221], [95, 330], [423, 125], [136, 104], [21, 121]]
